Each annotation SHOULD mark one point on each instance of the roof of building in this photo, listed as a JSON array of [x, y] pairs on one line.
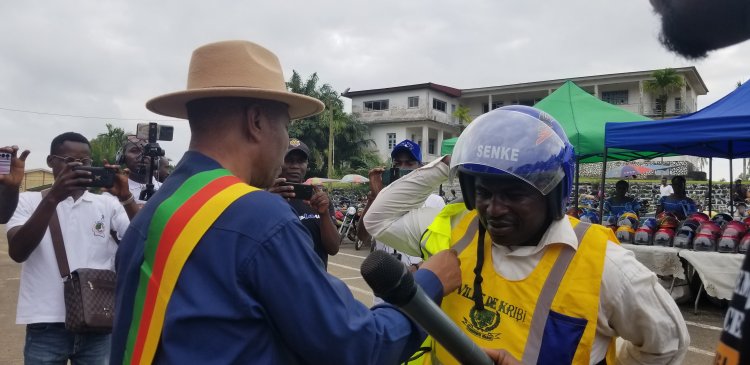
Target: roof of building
[[690, 71], [430, 85], [36, 170]]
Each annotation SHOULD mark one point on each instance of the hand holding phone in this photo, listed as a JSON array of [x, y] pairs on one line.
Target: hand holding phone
[[101, 177], [301, 191], [5, 163]]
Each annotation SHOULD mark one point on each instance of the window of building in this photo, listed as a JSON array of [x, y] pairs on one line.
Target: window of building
[[391, 138], [431, 146], [438, 104], [678, 105], [414, 102], [619, 97], [495, 105], [376, 105]]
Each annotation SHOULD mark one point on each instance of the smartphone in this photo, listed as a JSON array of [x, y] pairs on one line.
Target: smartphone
[[302, 191], [393, 174], [101, 177], [5, 163], [159, 132]]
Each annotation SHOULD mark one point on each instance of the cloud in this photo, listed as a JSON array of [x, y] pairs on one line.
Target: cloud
[[106, 59]]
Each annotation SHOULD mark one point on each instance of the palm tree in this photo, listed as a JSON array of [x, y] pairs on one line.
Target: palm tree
[[333, 127], [105, 145], [462, 114], [665, 82]]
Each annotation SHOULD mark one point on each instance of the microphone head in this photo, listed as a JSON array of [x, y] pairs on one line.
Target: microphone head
[[388, 278]]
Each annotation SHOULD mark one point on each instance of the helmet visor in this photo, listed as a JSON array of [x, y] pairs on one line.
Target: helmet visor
[[529, 150]]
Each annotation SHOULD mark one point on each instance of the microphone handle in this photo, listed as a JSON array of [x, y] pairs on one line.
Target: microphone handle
[[427, 314]]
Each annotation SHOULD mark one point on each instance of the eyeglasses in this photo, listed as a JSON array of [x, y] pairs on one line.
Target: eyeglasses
[[69, 159]]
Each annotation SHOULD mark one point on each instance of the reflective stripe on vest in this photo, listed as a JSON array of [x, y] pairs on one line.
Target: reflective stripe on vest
[[437, 237], [554, 309]]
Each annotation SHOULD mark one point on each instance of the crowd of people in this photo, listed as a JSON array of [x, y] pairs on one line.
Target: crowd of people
[[226, 264]]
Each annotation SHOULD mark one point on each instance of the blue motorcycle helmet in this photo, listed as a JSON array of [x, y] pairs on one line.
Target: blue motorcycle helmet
[[520, 141]]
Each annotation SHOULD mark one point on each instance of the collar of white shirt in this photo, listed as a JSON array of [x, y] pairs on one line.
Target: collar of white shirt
[[560, 231]]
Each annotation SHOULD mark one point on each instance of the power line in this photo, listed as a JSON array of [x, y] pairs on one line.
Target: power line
[[83, 116]]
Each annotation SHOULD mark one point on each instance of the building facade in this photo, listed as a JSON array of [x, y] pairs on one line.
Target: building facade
[[424, 112]]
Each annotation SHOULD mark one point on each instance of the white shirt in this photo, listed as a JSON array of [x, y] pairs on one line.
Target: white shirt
[[85, 225], [665, 190], [633, 305], [433, 201], [136, 188]]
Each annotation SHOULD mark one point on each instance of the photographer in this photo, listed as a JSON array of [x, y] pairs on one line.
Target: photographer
[[315, 212], [405, 156], [86, 221], [131, 154]]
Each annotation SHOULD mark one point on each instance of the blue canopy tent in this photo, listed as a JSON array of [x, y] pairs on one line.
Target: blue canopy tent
[[721, 129]]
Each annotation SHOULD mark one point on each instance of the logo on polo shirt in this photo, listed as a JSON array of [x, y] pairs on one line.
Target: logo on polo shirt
[[99, 227]]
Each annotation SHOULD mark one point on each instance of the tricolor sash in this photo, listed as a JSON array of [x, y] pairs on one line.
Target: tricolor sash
[[177, 226]]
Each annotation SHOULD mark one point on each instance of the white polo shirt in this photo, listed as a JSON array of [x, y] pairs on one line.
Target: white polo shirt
[[85, 225], [136, 188], [665, 190]]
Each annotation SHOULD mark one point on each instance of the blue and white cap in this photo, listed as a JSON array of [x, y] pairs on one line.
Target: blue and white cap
[[410, 147], [520, 141]]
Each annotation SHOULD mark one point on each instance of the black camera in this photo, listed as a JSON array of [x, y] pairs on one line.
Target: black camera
[[152, 132], [100, 177], [393, 174]]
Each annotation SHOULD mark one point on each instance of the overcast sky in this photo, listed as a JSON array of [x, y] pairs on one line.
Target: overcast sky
[[100, 61]]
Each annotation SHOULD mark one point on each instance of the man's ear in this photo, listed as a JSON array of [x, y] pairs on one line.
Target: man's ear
[[49, 161], [252, 124]]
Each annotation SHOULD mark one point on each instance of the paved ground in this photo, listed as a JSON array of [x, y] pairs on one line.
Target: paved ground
[[704, 327]]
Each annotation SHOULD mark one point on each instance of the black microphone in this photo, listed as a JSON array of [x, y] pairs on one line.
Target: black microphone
[[390, 280]]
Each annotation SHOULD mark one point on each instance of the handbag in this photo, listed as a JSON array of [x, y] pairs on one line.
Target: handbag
[[89, 293]]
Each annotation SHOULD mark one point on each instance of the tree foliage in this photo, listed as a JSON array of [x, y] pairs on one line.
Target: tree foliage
[[353, 150], [665, 81], [462, 114], [105, 145]]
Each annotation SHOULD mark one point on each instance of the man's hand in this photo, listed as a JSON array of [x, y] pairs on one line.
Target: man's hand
[[13, 180], [278, 187], [501, 357], [121, 188], [447, 267], [447, 160], [376, 182], [320, 201], [69, 182]]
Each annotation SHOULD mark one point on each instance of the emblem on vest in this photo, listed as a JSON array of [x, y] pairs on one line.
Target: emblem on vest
[[99, 227], [482, 322]]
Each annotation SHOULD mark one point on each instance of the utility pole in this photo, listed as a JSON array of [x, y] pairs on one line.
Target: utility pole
[[330, 143]]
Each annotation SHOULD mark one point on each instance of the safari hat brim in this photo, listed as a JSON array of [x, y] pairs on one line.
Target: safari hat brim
[[234, 69]]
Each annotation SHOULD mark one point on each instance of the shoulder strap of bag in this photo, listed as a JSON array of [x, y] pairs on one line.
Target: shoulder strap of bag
[[57, 242]]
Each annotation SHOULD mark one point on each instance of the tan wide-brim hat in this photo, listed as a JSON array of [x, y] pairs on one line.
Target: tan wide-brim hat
[[234, 69]]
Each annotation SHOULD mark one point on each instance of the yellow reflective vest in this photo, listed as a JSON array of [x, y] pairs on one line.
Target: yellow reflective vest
[[566, 323]]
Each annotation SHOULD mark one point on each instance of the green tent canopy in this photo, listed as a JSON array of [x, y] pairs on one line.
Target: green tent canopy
[[583, 116], [448, 144]]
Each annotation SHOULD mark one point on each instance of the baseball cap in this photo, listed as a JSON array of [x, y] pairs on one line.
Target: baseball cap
[[410, 147], [297, 145]]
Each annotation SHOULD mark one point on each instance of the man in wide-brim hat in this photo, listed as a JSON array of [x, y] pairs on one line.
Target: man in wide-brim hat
[[215, 270]]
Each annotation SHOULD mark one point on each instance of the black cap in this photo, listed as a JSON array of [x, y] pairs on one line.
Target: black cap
[[297, 145]]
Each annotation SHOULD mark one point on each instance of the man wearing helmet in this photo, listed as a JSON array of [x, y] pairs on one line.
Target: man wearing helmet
[[544, 287]]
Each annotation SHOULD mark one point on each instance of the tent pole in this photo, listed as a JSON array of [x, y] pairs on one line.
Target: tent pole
[[731, 188], [710, 183], [604, 175], [578, 175]]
